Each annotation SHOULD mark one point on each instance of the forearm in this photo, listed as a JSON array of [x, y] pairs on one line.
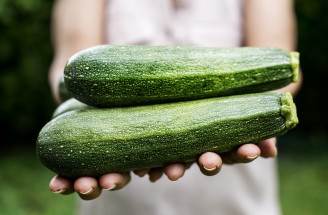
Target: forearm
[[76, 25]]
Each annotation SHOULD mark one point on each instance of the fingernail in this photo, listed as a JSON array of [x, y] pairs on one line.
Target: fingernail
[[112, 187], [141, 174], [251, 157], [153, 179], [89, 191], [58, 191], [210, 169]]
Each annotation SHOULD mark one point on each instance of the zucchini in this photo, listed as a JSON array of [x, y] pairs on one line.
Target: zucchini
[[62, 90], [93, 142], [69, 105], [109, 76]]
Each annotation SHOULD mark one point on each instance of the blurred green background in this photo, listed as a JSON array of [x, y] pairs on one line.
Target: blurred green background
[[26, 105]]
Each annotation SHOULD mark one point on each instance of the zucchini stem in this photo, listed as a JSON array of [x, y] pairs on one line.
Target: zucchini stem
[[288, 110], [295, 63]]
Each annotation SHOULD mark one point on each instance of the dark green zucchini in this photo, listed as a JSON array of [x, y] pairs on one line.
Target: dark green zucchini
[[93, 142], [109, 76]]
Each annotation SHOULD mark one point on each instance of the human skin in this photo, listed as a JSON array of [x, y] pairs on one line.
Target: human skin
[[73, 31]]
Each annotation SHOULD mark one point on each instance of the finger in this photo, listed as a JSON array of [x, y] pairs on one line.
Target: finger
[[268, 148], [155, 174], [61, 185], [188, 164], [210, 163], [141, 172], [243, 154], [114, 181], [175, 171], [87, 188]]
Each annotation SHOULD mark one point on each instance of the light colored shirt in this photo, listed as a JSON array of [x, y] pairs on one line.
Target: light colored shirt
[[249, 189], [191, 22]]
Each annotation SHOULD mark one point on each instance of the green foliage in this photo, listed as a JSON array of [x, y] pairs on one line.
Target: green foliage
[[303, 185], [24, 192], [312, 101], [24, 58]]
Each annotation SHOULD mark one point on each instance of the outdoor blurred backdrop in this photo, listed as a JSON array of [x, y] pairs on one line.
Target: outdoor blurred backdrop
[[26, 105]]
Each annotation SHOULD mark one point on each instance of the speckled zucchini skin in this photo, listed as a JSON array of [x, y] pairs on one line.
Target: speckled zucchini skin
[[93, 142], [109, 76]]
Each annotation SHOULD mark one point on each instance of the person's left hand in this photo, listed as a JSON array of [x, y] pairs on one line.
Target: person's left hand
[[209, 163]]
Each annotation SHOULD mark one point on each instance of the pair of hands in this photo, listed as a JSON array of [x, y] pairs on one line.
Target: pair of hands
[[209, 163]]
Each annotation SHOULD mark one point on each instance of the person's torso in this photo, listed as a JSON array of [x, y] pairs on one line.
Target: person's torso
[[185, 22], [237, 189]]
